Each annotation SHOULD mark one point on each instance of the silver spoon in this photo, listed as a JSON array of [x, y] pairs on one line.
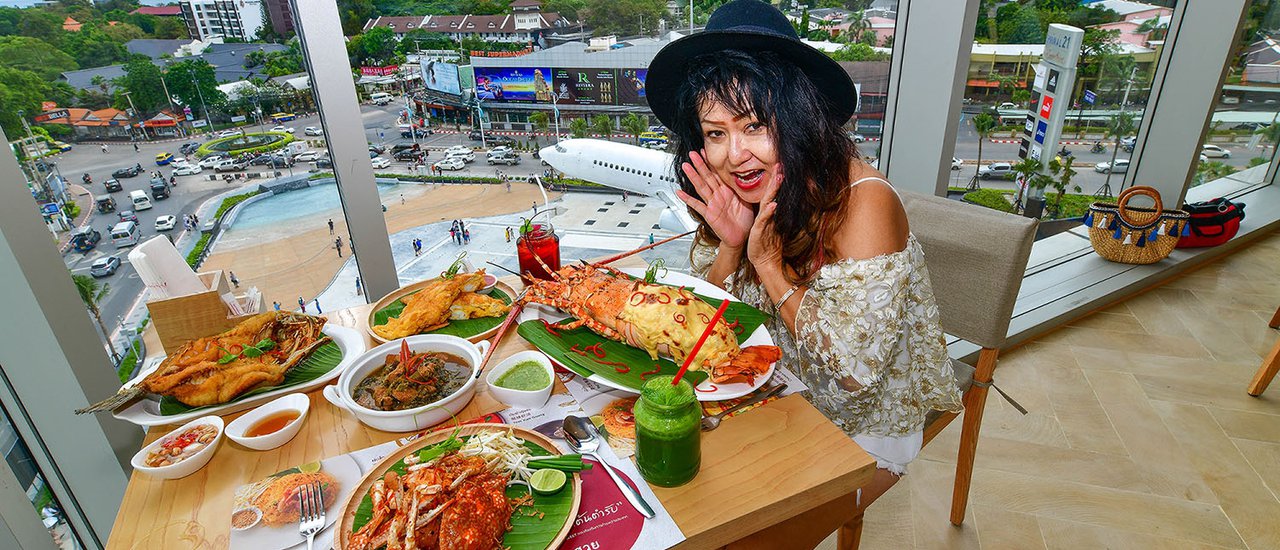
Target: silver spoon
[[583, 438], [712, 422]]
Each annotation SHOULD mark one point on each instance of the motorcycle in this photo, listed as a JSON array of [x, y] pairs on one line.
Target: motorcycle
[[1065, 153], [1097, 148]]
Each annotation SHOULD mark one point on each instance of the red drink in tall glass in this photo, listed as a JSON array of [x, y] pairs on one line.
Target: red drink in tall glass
[[540, 242]]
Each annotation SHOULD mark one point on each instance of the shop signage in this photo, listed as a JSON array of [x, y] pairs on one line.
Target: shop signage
[[1046, 106], [48, 106], [238, 118], [52, 115], [388, 70], [1090, 97]]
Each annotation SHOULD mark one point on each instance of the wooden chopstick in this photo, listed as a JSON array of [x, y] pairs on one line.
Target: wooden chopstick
[[642, 249]]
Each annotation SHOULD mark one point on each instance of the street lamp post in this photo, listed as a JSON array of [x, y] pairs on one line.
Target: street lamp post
[[195, 82], [134, 111], [165, 85]]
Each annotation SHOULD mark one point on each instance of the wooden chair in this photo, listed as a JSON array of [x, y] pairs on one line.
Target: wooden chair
[[976, 259], [1270, 365]]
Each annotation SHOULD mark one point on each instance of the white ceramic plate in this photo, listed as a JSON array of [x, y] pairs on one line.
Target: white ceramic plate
[[706, 391], [146, 411], [348, 475]]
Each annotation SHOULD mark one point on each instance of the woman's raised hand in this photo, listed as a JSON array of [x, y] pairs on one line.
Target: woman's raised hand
[[764, 246], [728, 215]]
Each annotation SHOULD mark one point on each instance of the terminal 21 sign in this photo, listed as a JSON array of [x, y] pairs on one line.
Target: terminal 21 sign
[[571, 86]]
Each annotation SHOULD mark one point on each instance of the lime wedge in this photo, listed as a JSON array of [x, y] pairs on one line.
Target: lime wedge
[[309, 468], [547, 481], [597, 420]]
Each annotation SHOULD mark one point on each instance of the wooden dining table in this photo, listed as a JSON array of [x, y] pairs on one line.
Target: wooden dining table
[[766, 468]]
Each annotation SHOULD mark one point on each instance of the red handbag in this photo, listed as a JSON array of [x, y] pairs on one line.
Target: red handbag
[[1212, 223]]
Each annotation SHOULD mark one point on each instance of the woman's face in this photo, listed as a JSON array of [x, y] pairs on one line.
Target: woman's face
[[740, 150]]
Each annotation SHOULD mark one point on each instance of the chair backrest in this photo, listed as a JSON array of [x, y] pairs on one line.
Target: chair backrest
[[976, 258]]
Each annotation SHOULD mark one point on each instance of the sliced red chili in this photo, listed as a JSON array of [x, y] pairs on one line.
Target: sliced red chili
[[704, 317], [549, 328], [712, 386], [637, 298], [656, 369], [662, 298], [736, 327], [679, 318]]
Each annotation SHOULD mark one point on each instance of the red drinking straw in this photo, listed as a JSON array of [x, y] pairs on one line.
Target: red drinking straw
[[710, 326], [612, 259]]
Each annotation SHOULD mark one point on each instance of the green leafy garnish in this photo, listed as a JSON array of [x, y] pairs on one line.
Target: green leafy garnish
[[255, 350], [651, 274], [455, 267], [527, 226], [442, 448]]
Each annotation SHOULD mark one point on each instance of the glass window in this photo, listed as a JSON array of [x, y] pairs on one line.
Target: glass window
[[1007, 86], [18, 459], [1240, 144]]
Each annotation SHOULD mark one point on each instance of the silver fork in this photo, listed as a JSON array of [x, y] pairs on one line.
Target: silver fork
[[311, 506]]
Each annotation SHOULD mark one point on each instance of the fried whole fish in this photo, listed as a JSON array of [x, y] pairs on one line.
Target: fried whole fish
[[430, 308], [197, 374]]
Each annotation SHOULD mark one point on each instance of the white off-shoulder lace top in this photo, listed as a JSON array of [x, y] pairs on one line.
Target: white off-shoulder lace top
[[873, 324]]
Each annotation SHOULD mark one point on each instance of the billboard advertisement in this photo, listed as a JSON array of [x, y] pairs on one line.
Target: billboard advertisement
[[631, 87], [514, 84], [441, 77], [586, 86]]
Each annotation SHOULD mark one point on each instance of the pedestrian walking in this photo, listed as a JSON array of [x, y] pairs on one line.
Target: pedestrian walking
[[359, 290], [508, 187], [453, 235], [317, 301], [651, 238], [195, 220], [624, 196], [330, 226], [302, 304], [337, 243], [535, 208], [104, 148], [276, 305], [401, 198], [508, 234], [234, 281], [135, 148], [466, 236]]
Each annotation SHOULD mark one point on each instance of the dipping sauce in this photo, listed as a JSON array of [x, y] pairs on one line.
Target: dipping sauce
[[525, 376], [272, 423], [182, 446], [245, 518]]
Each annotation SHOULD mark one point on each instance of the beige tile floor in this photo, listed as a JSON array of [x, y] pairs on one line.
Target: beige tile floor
[[1140, 433]]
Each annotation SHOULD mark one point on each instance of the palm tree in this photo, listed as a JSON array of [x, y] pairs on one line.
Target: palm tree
[[633, 124], [1119, 127], [1270, 133], [579, 127], [1154, 28], [540, 121], [603, 125], [983, 124], [1026, 170], [1065, 172], [92, 296]]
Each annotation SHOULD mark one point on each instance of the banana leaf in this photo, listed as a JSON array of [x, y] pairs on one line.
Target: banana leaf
[[528, 531], [637, 361], [324, 359], [465, 328]]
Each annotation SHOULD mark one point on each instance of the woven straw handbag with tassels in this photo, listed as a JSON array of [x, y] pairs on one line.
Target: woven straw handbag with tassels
[[1131, 234]]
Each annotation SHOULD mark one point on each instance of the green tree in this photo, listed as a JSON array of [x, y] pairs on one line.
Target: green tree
[[819, 35], [142, 80], [634, 125], [603, 125], [426, 40], [191, 80], [1270, 133], [571, 9], [540, 121], [579, 128], [354, 14], [1026, 170], [1021, 96], [35, 55], [803, 27], [122, 32], [19, 90], [1023, 28], [1211, 170], [623, 17], [859, 52], [91, 47], [170, 28], [377, 47], [983, 124], [1119, 127], [1061, 184], [92, 295]]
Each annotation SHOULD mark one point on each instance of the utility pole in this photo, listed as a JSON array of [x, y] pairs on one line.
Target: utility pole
[[690, 16], [134, 111], [172, 109], [207, 121]]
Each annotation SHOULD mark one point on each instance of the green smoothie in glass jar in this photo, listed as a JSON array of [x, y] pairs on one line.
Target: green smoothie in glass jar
[[668, 432]]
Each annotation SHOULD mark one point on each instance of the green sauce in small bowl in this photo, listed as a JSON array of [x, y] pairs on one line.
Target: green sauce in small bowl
[[525, 376]]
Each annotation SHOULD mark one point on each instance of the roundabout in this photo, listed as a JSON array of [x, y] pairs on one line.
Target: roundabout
[[248, 143]]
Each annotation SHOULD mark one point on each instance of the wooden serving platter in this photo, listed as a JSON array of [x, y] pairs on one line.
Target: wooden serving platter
[[343, 535], [403, 291]]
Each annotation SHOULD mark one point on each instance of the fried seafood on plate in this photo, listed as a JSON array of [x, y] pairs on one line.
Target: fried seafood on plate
[[216, 369], [279, 501], [439, 301]]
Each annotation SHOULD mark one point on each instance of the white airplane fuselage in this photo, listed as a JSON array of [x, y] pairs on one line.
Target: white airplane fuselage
[[625, 167]]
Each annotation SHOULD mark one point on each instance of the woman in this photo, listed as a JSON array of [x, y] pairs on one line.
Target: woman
[[794, 222]]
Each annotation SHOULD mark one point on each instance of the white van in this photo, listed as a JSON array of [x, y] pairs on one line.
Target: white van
[[140, 200], [125, 234], [380, 98]]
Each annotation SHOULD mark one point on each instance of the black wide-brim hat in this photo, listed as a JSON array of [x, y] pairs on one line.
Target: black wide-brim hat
[[750, 26]]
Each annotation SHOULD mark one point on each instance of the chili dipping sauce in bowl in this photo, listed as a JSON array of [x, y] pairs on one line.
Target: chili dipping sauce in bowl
[[181, 452], [271, 425]]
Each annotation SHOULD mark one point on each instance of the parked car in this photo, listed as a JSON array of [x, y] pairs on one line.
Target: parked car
[[228, 133], [324, 163], [306, 156], [163, 158], [213, 160], [499, 140], [475, 135], [128, 216], [408, 155], [1121, 166], [1127, 143], [1214, 151], [230, 165], [61, 146], [510, 158], [274, 161], [104, 266], [380, 162], [995, 170], [189, 148], [377, 149], [312, 131], [500, 150], [466, 156], [282, 128], [456, 149], [113, 185], [956, 163], [165, 223], [856, 137], [85, 238], [1006, 105], [128, 172], [188, 170], [451, 163]]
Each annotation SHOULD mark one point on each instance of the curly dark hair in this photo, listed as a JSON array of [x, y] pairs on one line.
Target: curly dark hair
[[815, 151]]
